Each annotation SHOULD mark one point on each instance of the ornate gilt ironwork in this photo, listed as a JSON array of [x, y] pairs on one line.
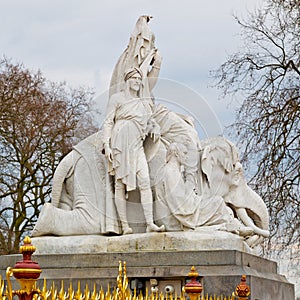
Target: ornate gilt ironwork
[[193, 288], [26, 272]]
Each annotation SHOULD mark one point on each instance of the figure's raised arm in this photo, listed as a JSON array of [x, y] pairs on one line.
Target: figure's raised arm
[[155, 68], [151, 67]]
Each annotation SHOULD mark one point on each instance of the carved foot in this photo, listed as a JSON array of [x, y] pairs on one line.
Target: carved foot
[[154, 228], [127, 230]]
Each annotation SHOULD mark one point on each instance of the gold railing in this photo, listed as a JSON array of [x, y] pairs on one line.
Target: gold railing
[[120, 292]]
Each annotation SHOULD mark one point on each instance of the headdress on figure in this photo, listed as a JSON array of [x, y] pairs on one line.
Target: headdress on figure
[[131, 72]]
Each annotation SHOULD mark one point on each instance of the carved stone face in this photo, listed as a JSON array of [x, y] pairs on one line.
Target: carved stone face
[[221, 167], [135, 82], [221, 181]]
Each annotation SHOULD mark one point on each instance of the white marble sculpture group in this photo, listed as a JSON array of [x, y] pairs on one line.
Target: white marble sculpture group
[[184, 183]]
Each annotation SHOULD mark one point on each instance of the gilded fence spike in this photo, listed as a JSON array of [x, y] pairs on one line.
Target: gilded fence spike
[[175, 295], [5, 294], [86, 293], [45, 293], [70, 295], [94, 292], [53, 295], [2, 289], [108, 295], [101, 294], [96, 295], [9, 273], [78, 294], [134, 296], [62, 295], [146, 297], [182, 294], [53, 291], [122, 282]]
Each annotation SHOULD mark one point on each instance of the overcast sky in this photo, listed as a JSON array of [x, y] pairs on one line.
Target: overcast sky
[[80, 42]]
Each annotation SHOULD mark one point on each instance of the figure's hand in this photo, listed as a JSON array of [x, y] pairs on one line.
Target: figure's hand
[[155, 136], [108, 152], [154, 131], [149, 59], [157, 59]]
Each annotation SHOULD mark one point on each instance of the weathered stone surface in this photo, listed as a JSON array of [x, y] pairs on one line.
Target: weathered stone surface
[[162, 241]]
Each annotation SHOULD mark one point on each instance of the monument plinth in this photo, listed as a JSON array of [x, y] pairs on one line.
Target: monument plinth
[[165, 257]]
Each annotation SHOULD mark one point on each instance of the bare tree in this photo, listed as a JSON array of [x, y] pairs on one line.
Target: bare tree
[[39, 122], [265, 74]]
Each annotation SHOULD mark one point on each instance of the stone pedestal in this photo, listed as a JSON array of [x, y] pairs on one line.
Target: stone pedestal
[[166, 257]]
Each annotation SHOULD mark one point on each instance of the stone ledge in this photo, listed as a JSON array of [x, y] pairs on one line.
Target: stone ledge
[[140, 242]]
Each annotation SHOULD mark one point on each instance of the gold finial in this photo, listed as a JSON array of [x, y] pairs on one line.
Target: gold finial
[[193, 288], [27, 247], [242, 290], [193, 272]]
